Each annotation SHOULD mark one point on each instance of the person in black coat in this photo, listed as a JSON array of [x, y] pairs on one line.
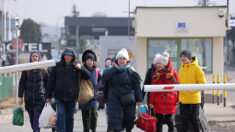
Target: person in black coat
[[32, 86], [149, 77], [122, 80], [63, 84]]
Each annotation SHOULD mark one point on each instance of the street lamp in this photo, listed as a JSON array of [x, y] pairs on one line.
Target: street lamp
[[16, 78]]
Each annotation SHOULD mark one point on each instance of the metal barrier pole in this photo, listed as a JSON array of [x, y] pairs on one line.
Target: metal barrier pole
[[213, 92], [218, 91], [225, 92]]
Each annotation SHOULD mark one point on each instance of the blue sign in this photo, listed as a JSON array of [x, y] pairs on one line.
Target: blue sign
[[181, 27], [232, 22]]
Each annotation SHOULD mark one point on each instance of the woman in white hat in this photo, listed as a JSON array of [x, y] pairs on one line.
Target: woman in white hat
[[123, 94]]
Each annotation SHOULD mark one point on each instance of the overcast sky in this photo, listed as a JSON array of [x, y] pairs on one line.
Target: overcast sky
[[51, 11]]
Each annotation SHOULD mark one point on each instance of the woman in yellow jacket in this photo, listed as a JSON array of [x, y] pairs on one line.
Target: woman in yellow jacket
[[190, 73]]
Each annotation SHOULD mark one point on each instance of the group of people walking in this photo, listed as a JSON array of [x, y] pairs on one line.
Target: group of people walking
[[122, 91]]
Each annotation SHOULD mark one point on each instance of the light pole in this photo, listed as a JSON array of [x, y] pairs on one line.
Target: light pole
[[77, 40], [16, 78]]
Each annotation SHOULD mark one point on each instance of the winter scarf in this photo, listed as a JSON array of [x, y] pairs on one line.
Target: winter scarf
[[163, 75]]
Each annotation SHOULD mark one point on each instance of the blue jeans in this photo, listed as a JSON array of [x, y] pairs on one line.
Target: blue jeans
[[65, 115]]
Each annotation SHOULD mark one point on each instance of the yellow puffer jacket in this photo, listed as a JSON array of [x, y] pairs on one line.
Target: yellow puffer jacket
[[191, 74]]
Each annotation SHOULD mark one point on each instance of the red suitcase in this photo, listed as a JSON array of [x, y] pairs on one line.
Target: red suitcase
[[147, 122]]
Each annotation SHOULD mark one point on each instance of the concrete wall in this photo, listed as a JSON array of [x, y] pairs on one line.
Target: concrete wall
[[114, 42], [218, 56], [160, 22], [141, 56]]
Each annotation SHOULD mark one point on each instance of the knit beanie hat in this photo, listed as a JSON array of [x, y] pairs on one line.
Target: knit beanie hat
[[123, 53], [90, 56], [33, 53], [163, 59], [186, 53], [155, 58]]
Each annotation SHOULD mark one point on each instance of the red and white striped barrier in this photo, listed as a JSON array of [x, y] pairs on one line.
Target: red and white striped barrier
[[27, 66], [189, 87]]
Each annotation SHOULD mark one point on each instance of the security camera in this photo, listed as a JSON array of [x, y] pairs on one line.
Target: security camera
[[221, 13]]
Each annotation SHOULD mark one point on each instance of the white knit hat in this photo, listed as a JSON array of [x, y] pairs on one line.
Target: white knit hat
[[155, 58], [123, 53], [163, 59]]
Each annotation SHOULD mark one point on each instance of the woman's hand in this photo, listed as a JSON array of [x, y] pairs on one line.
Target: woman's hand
[[48, 100], [151, 106], [78, 66], [115, 65], [138, 103], [20, 100]]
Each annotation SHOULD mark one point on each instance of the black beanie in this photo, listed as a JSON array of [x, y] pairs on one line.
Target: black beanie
[[90, 56], [186, 53]]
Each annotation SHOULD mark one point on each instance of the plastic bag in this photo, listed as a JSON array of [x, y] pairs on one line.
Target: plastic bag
[[47, 118], [18, 116], [142, 108]]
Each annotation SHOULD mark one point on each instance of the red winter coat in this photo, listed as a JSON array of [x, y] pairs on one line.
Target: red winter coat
[[165, 102]]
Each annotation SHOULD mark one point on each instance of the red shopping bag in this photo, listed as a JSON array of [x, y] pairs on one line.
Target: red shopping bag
[[147, 122]]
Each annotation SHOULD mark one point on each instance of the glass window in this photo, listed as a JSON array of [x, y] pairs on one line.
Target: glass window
[[202, 49], [159, 46]]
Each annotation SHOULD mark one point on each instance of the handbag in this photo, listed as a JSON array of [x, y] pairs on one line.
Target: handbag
[[86, 92], [146, 122], [128, 99], [100, 93]]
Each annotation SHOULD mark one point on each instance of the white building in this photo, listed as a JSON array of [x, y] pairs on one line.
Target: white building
[[172, 29]]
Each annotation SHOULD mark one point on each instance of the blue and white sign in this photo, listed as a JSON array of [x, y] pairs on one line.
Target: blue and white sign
[[232, 22], [181, 27]]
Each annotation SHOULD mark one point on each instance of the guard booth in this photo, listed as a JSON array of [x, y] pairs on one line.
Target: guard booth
[[173, 29]]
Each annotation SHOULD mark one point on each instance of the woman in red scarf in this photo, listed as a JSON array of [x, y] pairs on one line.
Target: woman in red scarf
[[164, 103]]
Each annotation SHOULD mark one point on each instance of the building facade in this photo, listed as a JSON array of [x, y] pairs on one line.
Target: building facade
[[98, 32], [173, 29]]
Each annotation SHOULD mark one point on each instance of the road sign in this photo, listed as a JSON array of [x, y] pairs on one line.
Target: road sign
[[20, 43]]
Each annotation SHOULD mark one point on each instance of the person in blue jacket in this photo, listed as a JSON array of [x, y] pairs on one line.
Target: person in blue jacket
[[121, 79]]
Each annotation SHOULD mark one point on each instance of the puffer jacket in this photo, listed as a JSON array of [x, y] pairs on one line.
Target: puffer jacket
[[120, 83], [63, 81], [191, 74], [32, 86], [165, 102]]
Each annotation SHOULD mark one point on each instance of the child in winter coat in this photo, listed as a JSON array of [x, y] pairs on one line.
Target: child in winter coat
[[164, 103]]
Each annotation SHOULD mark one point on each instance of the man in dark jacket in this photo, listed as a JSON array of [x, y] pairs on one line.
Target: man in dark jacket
[[63, 84]]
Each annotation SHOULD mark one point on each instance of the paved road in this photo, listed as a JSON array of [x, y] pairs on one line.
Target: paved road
[[5, 124]]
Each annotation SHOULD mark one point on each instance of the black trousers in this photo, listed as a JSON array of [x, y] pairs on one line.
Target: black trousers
[[189, 113], [164, 119]]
